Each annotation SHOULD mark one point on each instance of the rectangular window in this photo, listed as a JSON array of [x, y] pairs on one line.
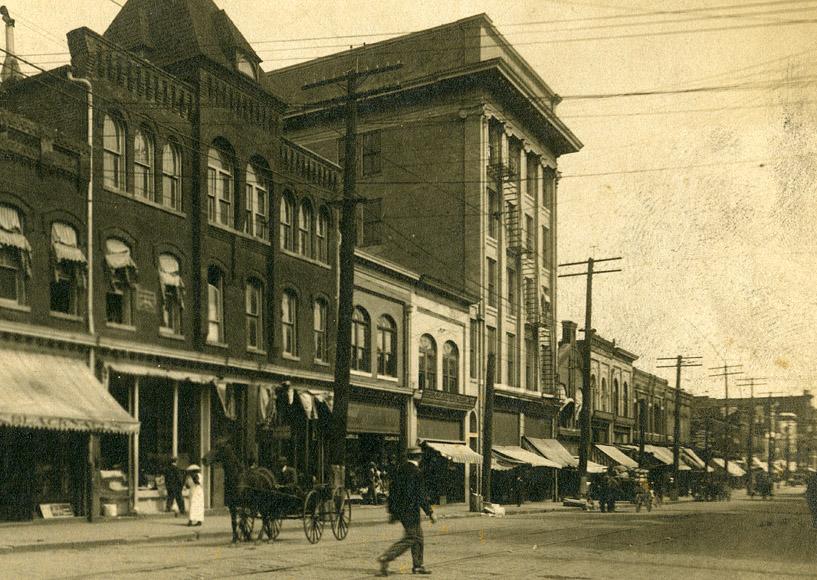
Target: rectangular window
[[530, 233], [211, 194], [253, 311], [491, 340], [510, 349], [372, 161], [493, 214], [548, 187], [319, 327], [11, 275], [472, 348], [514, 160], [118, 308], [225, 199], [171, 310], [513, 306], [530, 359], [545, 248], [494, 143], [289, 323], [492, 283], [532, 181], [64, 290]]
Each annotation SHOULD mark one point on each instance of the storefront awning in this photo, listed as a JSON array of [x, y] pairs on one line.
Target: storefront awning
[[145, 370], [456, 452], [44, 391], [522, 456], [692, 458], [552, 450], [734, 470], [617, 456]]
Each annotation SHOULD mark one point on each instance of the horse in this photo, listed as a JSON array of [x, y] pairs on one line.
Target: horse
[[243, 486]]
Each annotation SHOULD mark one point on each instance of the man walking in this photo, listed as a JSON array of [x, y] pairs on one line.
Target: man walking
[[173, 484], [406, 496]]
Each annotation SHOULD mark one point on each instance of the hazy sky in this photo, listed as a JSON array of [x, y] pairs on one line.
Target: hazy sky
[[709, 196]]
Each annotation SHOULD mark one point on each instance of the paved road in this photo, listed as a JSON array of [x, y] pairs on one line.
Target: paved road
[[737, 540]]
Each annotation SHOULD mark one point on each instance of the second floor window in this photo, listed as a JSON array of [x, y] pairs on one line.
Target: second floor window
[[15, 257], [372, 162], [172, 287], [113, 153], [361, 347], [219, 188], [386, 347], [143, 154], [172, 177], [255, 205], [215, 306], [287, 222], [289, 322], [451, 368], [70, 267], [322, 236], [530, 359], [427, 375], [305, 217], [510, 349], [319, 329], [252, 306], [121, 281]]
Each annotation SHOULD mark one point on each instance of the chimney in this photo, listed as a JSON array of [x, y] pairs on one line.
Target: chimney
[[11, 68], [568, 332]]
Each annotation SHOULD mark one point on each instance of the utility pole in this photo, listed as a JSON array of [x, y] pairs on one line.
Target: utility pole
[[770, 451], [727, 430], [681, 361], [488, 428], [352, 79], [750, 438], [586, 413]]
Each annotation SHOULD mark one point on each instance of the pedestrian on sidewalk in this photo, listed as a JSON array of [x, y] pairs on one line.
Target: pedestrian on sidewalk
[[407, 496], [811, 497], [194, 483], [174, 482]]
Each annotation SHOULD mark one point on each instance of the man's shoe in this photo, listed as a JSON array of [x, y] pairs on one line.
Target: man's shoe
[[384, 568], [420, 570]]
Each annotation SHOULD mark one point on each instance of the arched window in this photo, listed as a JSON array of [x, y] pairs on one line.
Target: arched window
[[322, 236], [289, 322], [215, 305], [253, 301], [287, 222], [427, 376], [451, 367], [219, 188], [305, 217], [605, 402], [143, 155], [15, 256], [255, 202], [386, 346], [361, 347], [113, 156], [320, 310], [121, 277], [170, 285], [616, 404], [172, 176], [70, 267]]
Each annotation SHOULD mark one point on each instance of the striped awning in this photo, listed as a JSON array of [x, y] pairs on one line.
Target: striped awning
[[616, 456], [45, 391], [456, 452], [513, 453]]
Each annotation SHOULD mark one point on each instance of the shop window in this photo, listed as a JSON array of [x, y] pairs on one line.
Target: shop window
[[113, 153], [215, 306], [219, 188], [255, 205], [172, 177], [252, 304], [427, 376], [305, 218], [172, 288], [322, 236], [361, 345], [451, 367], [143, 156], [372, 160], [15, 257], [386, 347], [320, 310], [121, 271], [289, 322], [70, 266], [287, 222]]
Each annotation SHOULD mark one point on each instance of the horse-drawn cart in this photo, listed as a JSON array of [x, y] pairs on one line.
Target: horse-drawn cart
[[264, 501]]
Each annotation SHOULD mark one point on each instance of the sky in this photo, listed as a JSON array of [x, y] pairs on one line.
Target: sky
[[705, 190]]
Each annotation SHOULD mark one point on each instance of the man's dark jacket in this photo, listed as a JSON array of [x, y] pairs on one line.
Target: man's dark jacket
[[174, 481], [407, 494]]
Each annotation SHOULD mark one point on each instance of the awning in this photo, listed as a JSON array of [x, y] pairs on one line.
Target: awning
[[144, 370], [552, 450], [64, 242], [758, 464], [692, 458], [43, 391], [522, 456], [617, 456], [456, 452], [734, 470]]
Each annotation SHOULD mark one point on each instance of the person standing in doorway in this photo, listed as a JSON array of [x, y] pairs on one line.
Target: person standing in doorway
[[407, 496], [194, 483], [174, 482]]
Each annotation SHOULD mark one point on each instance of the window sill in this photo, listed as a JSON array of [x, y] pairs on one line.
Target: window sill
[[12, 305], [289, 356], [146, 201], [306, 259], [223, 345], [65, 316], [167, 333], [121, 326], [388, 378], [323, 363], [239, 233], [360, 373], [257, 351]]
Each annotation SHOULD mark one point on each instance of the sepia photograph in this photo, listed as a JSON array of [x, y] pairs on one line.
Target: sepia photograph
[[354, 288]]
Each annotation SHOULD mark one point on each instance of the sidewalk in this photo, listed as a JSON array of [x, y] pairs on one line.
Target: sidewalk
[[78, 533]]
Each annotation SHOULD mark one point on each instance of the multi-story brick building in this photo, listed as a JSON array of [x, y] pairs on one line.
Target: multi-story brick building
[[463, 156]]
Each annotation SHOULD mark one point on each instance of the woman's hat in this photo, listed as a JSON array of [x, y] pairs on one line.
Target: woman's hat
[[193, 467]]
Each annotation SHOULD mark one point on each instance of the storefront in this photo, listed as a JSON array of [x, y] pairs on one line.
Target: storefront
[[52, 413]]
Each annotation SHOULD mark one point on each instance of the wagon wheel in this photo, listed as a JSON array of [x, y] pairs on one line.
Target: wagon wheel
[[313, 517], [270, 527], [340, 513], [246, 523]]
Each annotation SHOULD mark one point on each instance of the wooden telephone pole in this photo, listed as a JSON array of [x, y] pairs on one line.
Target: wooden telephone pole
[[352, 79], [586, 414], [750, 382], [681, 361], [726, 372]]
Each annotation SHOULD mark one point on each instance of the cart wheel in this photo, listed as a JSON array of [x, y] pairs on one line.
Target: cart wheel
[[246, 523], [340, 513], [270, 527], [313, 517]]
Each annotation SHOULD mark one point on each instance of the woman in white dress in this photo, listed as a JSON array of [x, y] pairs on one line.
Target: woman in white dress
[[195, 485]]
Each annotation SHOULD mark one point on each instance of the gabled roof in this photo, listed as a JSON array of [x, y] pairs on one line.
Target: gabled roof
[[166, 32]]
